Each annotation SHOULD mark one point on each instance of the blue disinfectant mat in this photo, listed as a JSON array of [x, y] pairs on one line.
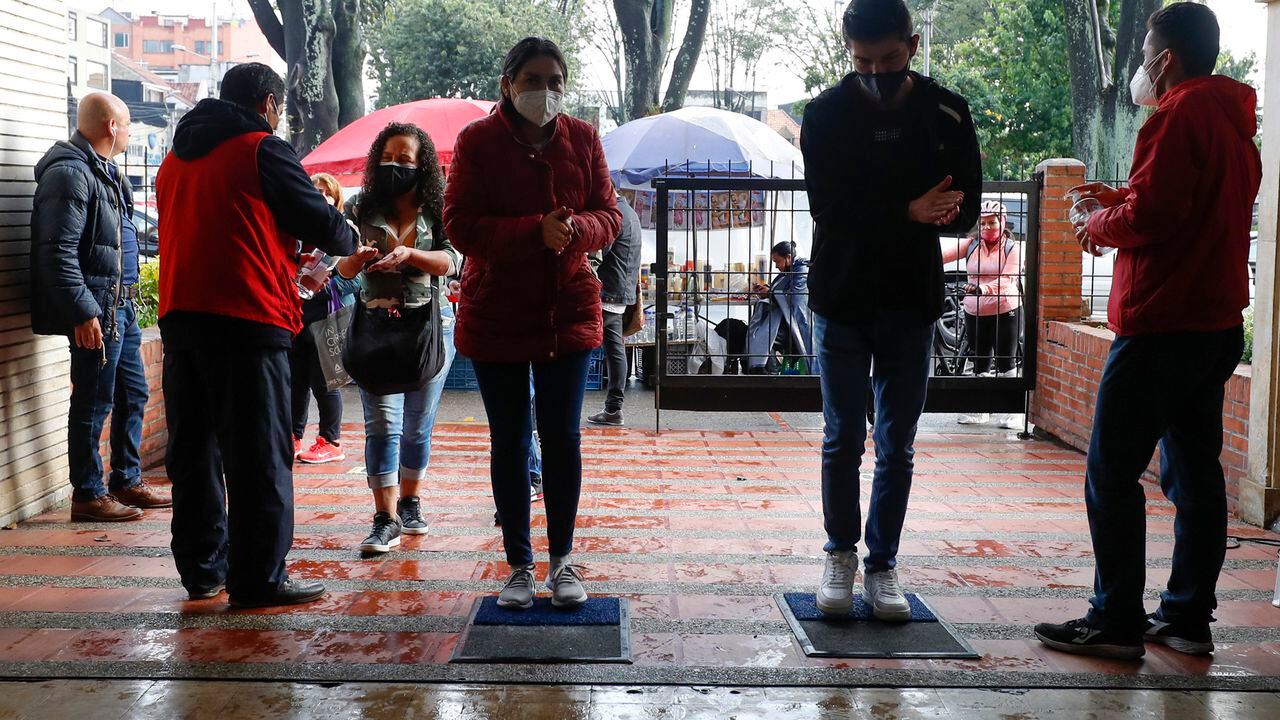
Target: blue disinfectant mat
[[595, 611], [804, 607]]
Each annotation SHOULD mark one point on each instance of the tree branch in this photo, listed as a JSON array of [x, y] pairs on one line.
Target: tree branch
[[270, 25], [687, 58]]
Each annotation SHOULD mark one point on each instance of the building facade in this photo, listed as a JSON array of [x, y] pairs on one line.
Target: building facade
[[88, 52]]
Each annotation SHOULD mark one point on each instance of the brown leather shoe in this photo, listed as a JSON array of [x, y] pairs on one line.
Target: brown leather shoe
[[104, 509], [144, 496]]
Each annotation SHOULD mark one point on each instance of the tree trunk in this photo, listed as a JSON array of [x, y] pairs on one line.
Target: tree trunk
[[646, 33], [348, 61], [687, 57], [1105, 121], [308, 41]]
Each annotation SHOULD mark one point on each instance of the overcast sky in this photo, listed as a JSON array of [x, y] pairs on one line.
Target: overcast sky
[[1243, 31]]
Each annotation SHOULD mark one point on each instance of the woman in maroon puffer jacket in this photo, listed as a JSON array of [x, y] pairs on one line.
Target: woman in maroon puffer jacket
[[528, 197]]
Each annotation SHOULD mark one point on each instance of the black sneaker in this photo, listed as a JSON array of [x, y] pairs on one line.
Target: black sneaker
[[535, 488], [1079, 637], [205, 593], [1185, 637], [410, 511], [606, 418], [384, 536]]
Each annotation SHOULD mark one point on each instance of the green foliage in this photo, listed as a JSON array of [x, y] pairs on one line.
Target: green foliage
[[454, 48], [1247, 359], [147, 299], [1013, 72]]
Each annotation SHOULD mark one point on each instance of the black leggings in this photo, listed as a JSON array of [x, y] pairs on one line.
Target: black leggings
[[993, 335], [308, 380]]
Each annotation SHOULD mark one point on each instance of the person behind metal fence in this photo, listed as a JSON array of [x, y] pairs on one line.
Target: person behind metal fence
[[619, 274], [891, 160], [1181, 234], [993, 299], [780, 317], [529, 196], [404, 252], [84, 263], [232, 200], [304, 360]]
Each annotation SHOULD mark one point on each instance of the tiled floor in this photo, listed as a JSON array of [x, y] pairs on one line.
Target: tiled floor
[[698, 529], [215, 700]]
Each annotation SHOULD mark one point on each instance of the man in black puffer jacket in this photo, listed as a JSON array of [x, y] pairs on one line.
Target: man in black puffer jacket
[[84, 263]]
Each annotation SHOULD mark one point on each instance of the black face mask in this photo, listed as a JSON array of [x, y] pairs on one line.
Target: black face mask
[[883, 87], [397, 179]]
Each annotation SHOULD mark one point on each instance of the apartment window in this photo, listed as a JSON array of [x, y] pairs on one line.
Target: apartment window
[[122, 40], [97, 32], [73, 71], [98, 78], [204, 47], [72, 24]]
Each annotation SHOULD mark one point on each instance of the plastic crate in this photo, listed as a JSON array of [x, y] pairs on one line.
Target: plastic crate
[[462, 374]]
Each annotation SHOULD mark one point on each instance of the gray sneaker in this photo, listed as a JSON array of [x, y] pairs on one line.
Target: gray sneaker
[[517, 594], [384, 535], [565, 583], [606, 418], [410, 511]]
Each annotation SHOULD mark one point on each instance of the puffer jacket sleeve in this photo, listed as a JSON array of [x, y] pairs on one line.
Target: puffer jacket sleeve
[[59, 214], [474, 232], [597, 225]]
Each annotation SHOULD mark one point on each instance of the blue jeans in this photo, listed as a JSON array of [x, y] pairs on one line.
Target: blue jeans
[[397, 428], [535, 453], [1165, 389], [899, 346], [560, 386], [117, 388]]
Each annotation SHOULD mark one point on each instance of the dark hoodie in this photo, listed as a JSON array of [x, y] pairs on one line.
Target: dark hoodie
[[1183, 232], [299, 209], [863, 167]]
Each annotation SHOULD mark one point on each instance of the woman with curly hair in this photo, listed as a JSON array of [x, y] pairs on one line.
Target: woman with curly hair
[[403, 253]]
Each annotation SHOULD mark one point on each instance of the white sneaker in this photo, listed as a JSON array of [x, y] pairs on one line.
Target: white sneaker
[[565, 583], [882, 593], [1012, 422], [835, 593], [979, 419], [517, 594]]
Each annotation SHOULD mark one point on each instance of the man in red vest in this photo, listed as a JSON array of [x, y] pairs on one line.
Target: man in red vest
[[232, 199]]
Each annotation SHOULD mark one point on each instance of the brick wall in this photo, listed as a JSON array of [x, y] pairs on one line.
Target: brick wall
[[1071, 356], [155, 432]]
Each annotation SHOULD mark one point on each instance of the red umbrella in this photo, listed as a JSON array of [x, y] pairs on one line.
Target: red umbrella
[[343, 155]]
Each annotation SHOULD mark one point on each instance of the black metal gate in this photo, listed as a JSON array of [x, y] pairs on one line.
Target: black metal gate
[[706, 287]]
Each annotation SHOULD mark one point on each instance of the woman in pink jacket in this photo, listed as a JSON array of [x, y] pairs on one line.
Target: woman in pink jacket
[[993, 297]]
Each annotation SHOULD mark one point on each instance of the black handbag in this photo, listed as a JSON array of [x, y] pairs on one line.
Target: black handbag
[[388, 353]]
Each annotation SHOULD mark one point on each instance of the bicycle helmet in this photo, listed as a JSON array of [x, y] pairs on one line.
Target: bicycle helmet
[[993, 207]]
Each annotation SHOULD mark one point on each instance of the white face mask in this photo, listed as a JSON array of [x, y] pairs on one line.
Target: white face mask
[[1142, 88], [538, 106]]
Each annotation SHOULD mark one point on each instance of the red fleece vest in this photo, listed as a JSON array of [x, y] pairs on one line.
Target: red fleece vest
[[220, 250]]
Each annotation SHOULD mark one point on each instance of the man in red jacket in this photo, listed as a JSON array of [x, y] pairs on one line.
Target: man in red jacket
[[1181, 232], [232, 197]]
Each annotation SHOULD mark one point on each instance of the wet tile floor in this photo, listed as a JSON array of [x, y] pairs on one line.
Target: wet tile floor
[[218, 700], [698, 529]]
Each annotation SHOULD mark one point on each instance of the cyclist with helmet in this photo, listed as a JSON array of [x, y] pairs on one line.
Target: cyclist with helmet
[[993, 298]]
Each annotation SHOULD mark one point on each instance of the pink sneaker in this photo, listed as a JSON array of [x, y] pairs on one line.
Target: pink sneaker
[[297, 447], [323, 452]]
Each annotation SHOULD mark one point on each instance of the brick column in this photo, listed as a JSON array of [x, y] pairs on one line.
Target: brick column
[[1060, 275], [1059, 297]]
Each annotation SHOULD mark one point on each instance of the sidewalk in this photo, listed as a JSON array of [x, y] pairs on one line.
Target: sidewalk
[[698, 528]]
